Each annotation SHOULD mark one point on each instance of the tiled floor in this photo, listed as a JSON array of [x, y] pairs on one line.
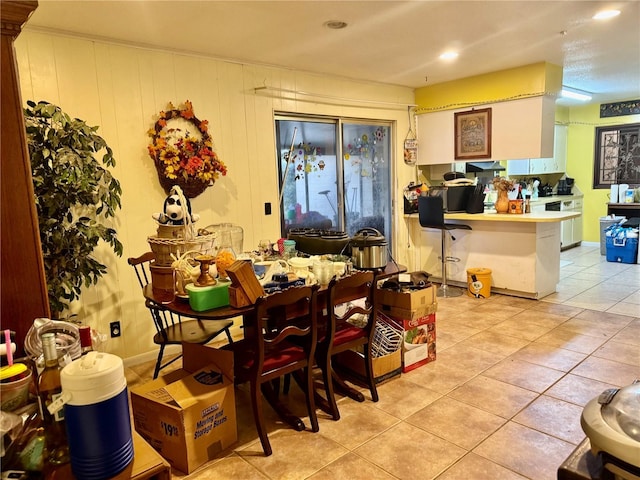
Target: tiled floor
[[502, 401]]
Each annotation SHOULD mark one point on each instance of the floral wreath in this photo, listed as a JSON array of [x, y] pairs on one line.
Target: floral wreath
[[183, 156]]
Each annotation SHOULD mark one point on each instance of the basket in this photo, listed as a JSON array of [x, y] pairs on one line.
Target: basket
[[172, 241], [164, 247], [387, 336]]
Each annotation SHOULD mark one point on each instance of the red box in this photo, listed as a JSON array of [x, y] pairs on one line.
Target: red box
[[419, 342]]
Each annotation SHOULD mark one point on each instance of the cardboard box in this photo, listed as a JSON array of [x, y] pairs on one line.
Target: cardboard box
[[242, 275], [419, 342], [351, 363], [189, 415], [409, 300]]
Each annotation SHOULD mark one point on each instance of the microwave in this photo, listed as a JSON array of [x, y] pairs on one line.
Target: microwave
[[454, 198]]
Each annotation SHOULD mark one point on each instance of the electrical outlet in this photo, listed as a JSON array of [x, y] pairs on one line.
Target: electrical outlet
[[267, 208], [114, 327]]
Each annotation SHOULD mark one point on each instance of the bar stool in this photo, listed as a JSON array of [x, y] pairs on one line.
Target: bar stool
[[431, 215]]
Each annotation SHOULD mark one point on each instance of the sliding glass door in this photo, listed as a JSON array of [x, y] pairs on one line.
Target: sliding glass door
[[335, 174]]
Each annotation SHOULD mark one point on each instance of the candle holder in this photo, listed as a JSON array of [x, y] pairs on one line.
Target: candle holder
[[205, 279]]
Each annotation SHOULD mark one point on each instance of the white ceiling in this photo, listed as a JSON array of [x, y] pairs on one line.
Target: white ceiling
[[388, 41]]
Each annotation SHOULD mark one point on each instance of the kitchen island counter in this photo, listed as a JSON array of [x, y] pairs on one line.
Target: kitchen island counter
[[522, 250]]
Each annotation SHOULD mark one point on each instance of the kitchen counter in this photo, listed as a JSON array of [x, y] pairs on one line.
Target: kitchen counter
[[522, 250], [537, 217]]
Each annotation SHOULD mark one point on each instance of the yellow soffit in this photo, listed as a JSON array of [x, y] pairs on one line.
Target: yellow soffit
[[532, 80]]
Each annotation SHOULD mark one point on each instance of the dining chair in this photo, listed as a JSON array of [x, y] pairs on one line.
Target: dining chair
[[171, 328], [349, 324], [431, 215], [279, 339]]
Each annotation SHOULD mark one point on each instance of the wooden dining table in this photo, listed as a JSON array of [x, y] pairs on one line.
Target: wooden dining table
[[181, 306]]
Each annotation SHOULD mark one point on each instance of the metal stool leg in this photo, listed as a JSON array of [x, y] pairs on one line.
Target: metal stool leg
[[445, 290]]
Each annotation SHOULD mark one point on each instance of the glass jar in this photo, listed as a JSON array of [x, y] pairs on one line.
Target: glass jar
[[225, 255]]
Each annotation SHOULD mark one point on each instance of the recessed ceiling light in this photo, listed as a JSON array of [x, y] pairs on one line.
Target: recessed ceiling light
[[449, 55], [335, 24], [604, 14]]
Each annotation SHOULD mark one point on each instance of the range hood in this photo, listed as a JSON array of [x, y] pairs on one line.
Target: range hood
[[475, 167]]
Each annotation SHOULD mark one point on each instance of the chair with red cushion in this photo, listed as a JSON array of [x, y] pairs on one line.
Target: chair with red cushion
[[279, 339], [351, 318]]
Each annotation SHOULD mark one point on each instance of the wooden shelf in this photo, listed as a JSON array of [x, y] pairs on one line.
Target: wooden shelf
[[626, 209]]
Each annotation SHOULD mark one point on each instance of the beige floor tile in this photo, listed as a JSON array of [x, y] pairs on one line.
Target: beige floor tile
[[549, 356], [523, 374], [629, 334], [518, 329], [295, 455], [475, 467], [457, 422], [359, 423], [619, 352], [494, 342], [556, 309], [469, 358], [554, 417], [540, 317], [568, 339], [607, 322], [452, 333], [493, 396], [608, 371], [353, 467], [439, 376], [402, 398], [577, 389], [528, 452], [229, 468], [408, 452], [624, 308]]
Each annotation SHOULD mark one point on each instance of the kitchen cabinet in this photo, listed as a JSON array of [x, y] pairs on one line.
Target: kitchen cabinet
[[540, 166], [519, 129], [571, 230]]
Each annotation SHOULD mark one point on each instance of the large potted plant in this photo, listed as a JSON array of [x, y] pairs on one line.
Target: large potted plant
[[75, 195]]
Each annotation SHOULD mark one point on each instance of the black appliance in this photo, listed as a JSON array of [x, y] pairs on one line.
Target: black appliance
[[477, 167], [545, 190], [454, 198], [564, 186], [319, 242], [552, 206]]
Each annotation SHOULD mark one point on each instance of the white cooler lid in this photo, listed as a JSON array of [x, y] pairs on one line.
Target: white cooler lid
[[93, 378]]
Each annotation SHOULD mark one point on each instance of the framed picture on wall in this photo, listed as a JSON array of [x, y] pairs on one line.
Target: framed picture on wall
[[473, 134]]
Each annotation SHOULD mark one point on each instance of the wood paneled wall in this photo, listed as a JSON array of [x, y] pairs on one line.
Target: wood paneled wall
[[122, 88]]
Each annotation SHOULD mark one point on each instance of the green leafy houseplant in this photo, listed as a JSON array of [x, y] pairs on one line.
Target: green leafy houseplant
[[75, 194]]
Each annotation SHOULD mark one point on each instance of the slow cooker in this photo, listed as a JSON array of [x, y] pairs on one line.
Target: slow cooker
[[369, 249], [612, 423], [318, 242]]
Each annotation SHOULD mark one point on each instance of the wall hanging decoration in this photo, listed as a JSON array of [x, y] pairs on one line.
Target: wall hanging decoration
[[473, 134], [182, 151]]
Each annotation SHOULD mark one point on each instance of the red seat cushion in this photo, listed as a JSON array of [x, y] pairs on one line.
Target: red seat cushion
[[348, 334]]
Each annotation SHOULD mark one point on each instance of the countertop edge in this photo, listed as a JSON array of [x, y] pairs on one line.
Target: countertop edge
[[538, 217]]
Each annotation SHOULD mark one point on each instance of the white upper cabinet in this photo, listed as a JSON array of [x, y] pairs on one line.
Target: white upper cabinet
[[519, 129], [539, 166]]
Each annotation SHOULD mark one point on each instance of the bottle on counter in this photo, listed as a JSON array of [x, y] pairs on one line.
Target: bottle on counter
[[527, 204], [49, 389], [86, 343]]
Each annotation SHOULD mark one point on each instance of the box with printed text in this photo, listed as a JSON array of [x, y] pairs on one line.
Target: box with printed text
[[189, 415]]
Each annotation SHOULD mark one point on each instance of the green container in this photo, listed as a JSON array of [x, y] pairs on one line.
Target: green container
[[206, 298]]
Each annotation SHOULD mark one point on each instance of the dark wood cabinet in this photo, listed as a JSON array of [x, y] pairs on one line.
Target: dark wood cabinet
[[624, 209], [22, 285]]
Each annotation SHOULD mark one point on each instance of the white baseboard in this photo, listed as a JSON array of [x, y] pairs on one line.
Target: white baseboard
[[150, 356]]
